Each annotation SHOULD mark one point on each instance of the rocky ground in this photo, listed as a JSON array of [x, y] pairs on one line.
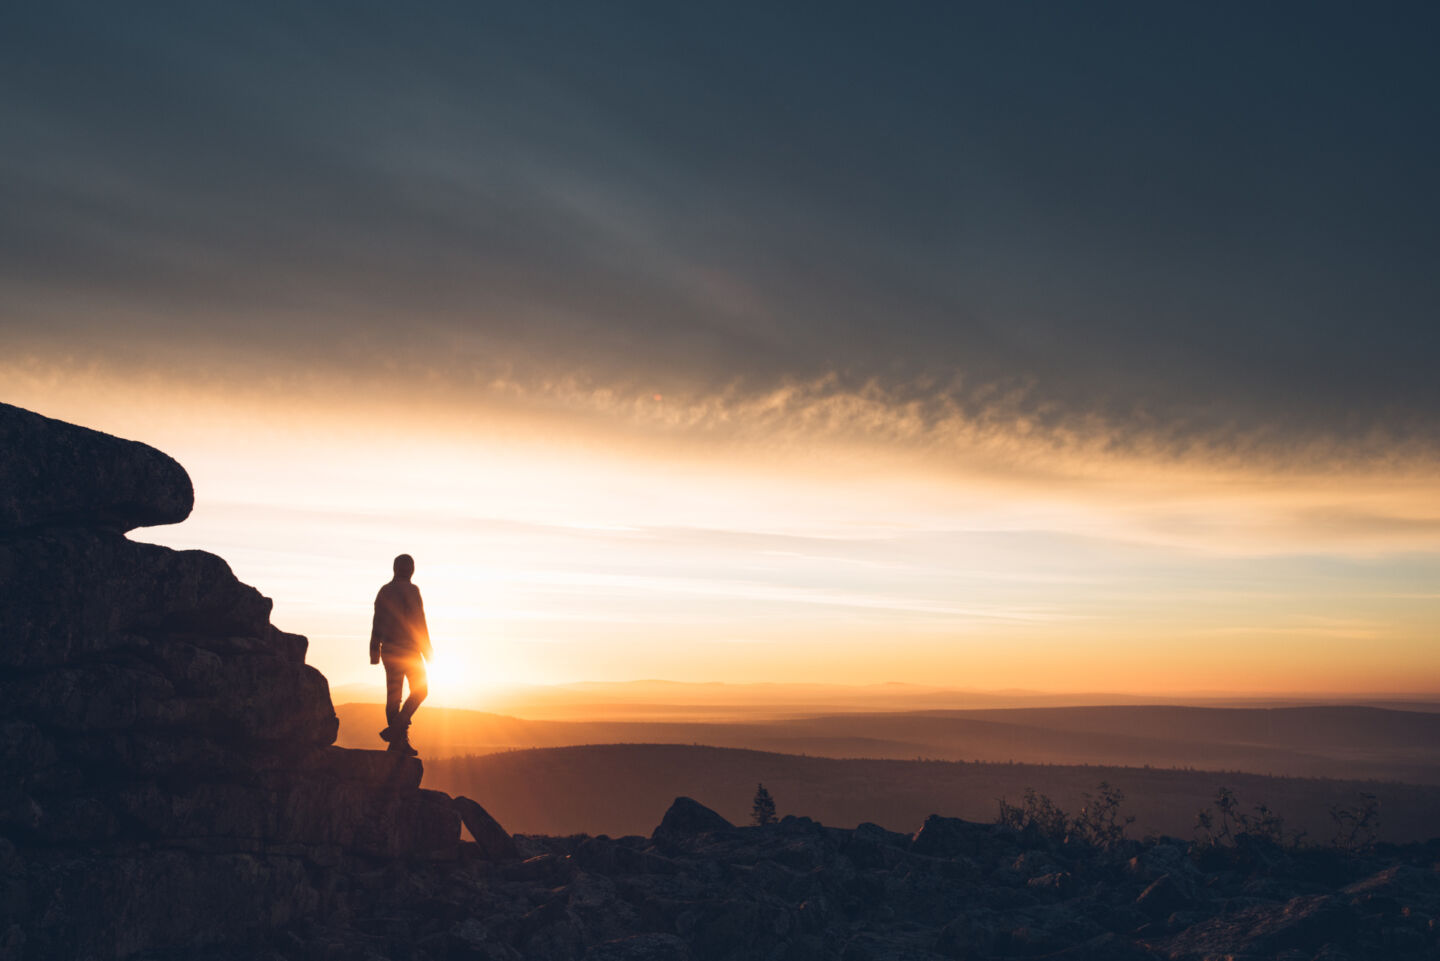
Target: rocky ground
[[701, 889], [169, 789]]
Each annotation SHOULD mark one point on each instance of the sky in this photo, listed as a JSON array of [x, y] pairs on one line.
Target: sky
[[1068, 347]]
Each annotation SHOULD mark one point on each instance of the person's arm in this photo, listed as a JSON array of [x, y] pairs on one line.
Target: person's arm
[[375, 633], [422, 632]]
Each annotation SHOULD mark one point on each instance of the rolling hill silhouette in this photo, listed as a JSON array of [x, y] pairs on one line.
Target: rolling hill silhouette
[[1352, 742]]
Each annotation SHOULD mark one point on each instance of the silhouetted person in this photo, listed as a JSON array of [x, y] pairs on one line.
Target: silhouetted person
[[401, 640]]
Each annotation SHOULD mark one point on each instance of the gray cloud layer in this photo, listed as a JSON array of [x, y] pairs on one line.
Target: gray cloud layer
[[1211, 219]]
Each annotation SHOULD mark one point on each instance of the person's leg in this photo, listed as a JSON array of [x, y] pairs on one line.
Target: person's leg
[[411, 668], [394, 685], [419, 687]]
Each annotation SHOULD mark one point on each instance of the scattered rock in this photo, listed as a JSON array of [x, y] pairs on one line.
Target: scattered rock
[[687, 818], [943, 837], [492, 842], [1303, 924], [1061, 883], [641, 947], [1163, 897]]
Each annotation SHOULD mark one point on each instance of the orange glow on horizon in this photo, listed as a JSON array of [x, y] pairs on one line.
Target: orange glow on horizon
[[593, 546]]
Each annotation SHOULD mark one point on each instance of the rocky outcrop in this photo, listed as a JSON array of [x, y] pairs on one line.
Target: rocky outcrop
[[166, 770], [58, 473]]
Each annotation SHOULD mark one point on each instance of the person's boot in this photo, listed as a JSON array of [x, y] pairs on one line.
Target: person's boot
[[390, 717], [400, 739]]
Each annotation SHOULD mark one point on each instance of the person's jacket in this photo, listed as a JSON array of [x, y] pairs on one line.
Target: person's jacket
[[399, 625]]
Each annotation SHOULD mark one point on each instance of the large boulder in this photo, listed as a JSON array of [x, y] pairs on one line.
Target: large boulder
[[492, 842], [54, 473], [688, 818]]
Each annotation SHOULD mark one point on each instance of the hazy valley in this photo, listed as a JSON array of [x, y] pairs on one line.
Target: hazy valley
[[893, 768], [1348, 741]]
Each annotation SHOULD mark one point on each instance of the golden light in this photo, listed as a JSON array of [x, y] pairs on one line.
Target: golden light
[[569, 551]]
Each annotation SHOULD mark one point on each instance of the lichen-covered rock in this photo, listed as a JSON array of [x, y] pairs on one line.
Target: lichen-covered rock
[[54, 473]]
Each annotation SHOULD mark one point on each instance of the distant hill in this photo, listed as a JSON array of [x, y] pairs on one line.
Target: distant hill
[[1347, 741], [621, 789], [646, 700]]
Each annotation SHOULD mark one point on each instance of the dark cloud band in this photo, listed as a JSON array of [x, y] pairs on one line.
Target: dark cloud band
[[1199, 223]]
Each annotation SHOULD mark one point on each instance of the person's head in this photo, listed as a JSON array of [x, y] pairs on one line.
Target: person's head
[[404, 567]]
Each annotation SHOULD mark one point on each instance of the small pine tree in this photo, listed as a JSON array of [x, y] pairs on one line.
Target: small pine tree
[[762, 812]]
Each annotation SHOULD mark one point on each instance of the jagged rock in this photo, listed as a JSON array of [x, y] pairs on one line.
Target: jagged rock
[[1390, 892], [53, 473], [492, 842], [943, 837], [543, 868], [1304, 923], [1060, 883], [114, 907], [73, 595], [609, 857], [873, 832], [687, 818], [1029, 865], [1163, 897], [426, 826], [1165, 856], [871, 846]]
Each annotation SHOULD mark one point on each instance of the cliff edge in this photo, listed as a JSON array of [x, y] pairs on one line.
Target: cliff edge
[[166, 770]]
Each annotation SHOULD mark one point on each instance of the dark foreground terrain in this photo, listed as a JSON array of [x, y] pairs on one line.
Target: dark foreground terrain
[[169, 789], [700, 889]]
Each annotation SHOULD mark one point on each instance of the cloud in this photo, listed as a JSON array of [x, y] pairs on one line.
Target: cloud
[[1127, 232]]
